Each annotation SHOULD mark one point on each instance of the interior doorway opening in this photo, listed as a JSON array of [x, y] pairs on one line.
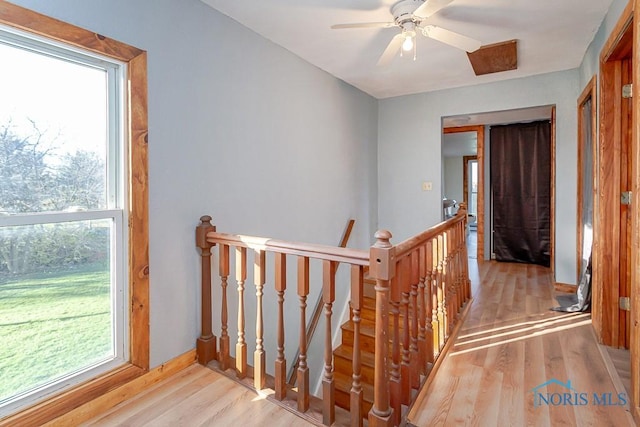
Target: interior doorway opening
[[478, 124]]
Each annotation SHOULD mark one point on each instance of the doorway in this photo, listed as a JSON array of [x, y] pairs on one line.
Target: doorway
[[477, 123], [478, 130], [521, 164], [587, 123], [612, 228]]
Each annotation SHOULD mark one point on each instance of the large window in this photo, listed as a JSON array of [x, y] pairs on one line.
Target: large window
[[73, 214], [62, 210]]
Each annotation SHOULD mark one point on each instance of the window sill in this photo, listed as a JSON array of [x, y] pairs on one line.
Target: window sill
[[61, 403]]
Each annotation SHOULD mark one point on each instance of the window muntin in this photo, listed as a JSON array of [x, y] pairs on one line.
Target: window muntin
[[63, 206]]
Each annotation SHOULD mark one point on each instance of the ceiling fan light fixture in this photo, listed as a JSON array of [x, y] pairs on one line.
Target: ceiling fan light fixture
[[408, 43], [409, 16]]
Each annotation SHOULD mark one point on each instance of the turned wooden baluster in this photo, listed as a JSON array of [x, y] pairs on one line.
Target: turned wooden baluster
[[357, 285], [436, 310], [223, 266], [206, 343], [328, 385], [442, 308], [423, 349], [460, 265], [431, 318], [465, 257], [458, 242], [395, 375], [465, 267], [446, 286], [259, 356], [405, 366], [303, 369], [241, 345], [382, 269], [281, 362], [456, 273], [414, 278], [451, 277]]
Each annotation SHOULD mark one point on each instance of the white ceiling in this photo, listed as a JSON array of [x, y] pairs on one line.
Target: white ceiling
[[552, 35]]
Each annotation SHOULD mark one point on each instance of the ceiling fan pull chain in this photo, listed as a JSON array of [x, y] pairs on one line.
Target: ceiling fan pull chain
[[415, 49]]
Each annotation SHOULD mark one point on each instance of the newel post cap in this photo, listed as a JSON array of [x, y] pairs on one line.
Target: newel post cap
[[202, 229], [382, 263], [383, 239]]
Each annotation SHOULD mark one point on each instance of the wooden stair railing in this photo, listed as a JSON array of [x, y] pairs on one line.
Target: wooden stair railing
[[420, 286], [317, 312]]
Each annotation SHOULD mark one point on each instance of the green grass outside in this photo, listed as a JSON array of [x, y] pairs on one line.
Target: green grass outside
[[52, 324]]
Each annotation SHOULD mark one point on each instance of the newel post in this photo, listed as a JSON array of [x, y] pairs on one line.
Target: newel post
[[382, 267], [462, 208], [206, 344]]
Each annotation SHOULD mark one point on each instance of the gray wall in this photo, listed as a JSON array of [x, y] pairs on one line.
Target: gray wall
[[591, 60], [267, 144], [409, 151], [454, 178], [242, 130]]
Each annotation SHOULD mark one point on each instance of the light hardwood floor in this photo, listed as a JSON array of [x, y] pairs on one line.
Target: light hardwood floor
[[510, 344], [197, 396]]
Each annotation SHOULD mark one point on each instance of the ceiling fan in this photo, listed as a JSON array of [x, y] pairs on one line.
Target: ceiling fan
[[410, 16]]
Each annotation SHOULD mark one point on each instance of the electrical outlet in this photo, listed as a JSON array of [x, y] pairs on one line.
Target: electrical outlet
[[426, 186]]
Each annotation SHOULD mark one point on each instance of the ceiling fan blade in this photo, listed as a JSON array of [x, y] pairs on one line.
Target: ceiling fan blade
[[429, 7], [364, 25], [451, 38], [391, 51]]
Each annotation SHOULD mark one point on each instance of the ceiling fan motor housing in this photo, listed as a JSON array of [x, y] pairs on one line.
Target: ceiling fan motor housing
[[403, 16]]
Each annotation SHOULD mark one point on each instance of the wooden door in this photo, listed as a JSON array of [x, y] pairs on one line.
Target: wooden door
[[612, 226], [624, 317]]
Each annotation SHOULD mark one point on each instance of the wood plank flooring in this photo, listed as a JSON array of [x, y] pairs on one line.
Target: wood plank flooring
[[509, 345], [197, 396], [618, 362]]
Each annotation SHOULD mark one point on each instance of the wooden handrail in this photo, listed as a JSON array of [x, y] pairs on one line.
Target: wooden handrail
[[324, 252], [421, 285], [347, 233], [407, 245]]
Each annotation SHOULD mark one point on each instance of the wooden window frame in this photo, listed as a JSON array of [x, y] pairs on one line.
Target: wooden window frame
[[137, 179]]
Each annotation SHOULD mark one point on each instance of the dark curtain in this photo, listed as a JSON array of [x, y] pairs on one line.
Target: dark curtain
[[521, 192]]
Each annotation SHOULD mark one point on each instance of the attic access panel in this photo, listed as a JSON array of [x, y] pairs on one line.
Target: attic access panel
[[495, 58]]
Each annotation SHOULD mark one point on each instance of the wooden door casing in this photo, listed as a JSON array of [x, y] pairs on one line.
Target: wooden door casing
[[611, 267], [479, 129]]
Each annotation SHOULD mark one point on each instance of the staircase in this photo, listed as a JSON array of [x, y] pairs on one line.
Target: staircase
[[343, 354], [422, 284]]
